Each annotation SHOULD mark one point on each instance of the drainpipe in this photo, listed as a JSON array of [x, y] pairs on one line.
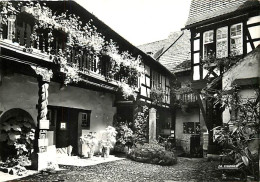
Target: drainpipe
[[169, 46]]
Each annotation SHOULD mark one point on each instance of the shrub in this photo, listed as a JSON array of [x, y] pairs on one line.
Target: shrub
[[124, 136], [152, 153]]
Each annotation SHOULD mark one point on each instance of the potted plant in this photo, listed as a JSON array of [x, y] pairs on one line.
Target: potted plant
[[89, 142], [108, 140], [124, 137]]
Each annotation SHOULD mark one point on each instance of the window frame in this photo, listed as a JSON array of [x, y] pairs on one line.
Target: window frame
[[225, 39], [228, 38], [87, 124], [236, 37], [207, 43], [198, 72], [193, 128]]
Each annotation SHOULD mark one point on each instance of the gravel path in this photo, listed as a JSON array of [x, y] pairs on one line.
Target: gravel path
[[126, 170]]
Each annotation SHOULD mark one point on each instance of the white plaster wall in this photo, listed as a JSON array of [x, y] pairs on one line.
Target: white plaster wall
[[20, 91], [247, 68], [192, 116]]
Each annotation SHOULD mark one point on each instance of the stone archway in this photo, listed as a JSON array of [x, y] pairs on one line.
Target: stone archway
[[16, 133]]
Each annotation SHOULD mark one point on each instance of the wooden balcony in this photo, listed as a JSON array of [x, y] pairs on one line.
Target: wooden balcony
[[20, 36], [189, 97]]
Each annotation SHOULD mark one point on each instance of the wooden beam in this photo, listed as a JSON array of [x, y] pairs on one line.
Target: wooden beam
[[202, 106], [203, 110], [250, 39]]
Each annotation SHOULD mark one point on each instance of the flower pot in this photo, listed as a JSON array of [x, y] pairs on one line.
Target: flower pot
[[69, 150], [90, 154], [85, 150]]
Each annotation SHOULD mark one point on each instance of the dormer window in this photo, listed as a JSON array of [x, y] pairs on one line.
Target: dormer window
[[220, 48], [208, 44], [222, 42], [236, 39]]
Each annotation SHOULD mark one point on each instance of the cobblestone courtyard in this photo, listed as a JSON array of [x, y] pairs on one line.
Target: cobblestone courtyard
[[127, 170]]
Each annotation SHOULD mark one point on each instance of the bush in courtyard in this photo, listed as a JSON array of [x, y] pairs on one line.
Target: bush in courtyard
[[152, 153], [124, 136]]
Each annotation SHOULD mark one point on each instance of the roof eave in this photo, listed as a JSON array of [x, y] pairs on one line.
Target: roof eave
[[221, 17]]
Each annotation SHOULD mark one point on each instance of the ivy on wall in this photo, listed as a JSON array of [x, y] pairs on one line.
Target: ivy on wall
[[81, 37]]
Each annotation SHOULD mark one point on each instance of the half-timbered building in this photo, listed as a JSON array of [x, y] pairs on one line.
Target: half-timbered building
[[56, 76], [222, 32], [174, 53]]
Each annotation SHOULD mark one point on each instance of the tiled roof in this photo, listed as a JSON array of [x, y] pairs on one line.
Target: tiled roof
[[184, 66], [177, 55], [201, 10]]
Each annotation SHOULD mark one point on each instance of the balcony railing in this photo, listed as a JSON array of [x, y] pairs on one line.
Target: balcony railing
[[187, 97]]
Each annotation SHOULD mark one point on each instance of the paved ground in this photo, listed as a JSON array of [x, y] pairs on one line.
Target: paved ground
[[76, 161], [127, 170]]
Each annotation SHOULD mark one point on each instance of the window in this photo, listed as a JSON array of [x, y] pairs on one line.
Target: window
[[236, 39], [191, 127], [208, 44], [156, 81], [85, 120], [167, 90], [222, 43], [221, 46], [160, 80]]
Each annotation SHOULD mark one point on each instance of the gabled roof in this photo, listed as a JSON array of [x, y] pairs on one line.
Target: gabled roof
[[201, 10], [173, 53]]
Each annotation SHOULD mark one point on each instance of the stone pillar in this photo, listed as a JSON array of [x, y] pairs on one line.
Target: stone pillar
[[41, 140], [152, 124]]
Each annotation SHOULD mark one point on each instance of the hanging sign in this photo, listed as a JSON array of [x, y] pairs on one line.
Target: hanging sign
[[63, 126]]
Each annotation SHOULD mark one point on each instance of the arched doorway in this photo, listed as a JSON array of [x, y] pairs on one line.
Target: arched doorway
[[17, 130]]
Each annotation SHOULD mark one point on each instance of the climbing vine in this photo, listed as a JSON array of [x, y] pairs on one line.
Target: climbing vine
[[141, 125], [123, 67], [220, 63], [157, 95]]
